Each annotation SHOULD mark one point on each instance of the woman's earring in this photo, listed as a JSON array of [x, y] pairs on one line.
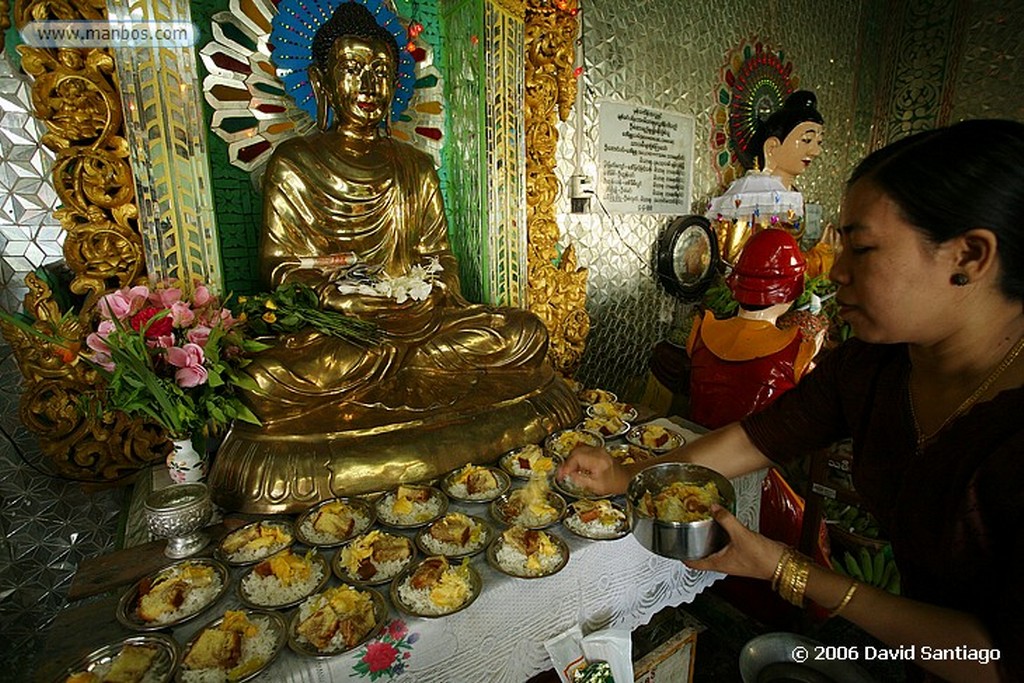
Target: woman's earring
[[959, 279]]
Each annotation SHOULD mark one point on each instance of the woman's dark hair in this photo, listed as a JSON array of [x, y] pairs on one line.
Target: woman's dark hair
[[800, 106], [349, 19], [951, 180]]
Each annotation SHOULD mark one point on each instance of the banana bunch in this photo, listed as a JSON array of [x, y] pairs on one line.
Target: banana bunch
[[851, 518], [875, 569]]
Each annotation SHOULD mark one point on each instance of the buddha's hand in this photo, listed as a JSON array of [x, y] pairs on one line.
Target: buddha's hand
[[595, 470], [747, 554]]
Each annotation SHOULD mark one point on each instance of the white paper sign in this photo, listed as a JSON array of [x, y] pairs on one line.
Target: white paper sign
[[645, 159]]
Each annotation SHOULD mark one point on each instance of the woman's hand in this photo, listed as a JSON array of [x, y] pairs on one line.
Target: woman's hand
[[748, 553], [595, 470]]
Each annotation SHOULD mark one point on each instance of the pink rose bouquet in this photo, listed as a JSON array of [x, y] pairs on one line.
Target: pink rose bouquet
[[173, 359]]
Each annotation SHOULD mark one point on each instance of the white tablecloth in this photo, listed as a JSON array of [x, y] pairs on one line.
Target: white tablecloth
[[500, 637]]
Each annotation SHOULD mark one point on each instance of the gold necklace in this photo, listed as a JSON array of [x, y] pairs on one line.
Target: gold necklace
[[1007, 361]]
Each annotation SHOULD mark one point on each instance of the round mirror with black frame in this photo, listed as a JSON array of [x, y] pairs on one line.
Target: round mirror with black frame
[[686, 257]]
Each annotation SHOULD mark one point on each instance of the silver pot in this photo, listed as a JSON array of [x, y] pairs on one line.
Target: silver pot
[[179, 513], [678, 540]]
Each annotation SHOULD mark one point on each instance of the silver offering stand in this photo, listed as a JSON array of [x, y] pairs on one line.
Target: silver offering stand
[[179, 513]]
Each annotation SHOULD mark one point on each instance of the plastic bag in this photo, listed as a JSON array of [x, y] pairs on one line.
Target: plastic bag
[[782, 516]]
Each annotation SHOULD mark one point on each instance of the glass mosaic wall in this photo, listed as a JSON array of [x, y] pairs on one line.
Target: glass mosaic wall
[[29, 234], [880, 71]]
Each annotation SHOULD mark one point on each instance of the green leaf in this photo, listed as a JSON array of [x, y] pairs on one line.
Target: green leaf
[[253, 346], [243, 413], [213, 378], [244, 381]]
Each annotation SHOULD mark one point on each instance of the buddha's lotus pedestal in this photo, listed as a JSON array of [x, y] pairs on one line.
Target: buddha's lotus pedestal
[[260, 472]]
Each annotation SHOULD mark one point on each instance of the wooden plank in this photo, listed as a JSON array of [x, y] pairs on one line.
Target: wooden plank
[[98, 575]]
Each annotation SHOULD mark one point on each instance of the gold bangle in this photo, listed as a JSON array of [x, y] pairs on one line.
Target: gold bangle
[[800, 575], [845, 601], [785, 584], [777, 574], [793, 579]]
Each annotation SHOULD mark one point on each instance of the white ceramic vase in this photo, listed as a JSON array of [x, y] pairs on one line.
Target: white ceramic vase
[[185, 464]]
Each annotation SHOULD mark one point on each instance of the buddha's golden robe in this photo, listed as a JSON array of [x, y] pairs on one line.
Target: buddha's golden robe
[[451, 382]]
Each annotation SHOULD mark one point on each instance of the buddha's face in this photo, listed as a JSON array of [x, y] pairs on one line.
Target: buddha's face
[[791, 157], [361, 82]]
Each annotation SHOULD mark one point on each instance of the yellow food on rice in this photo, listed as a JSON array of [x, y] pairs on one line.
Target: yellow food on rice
[[354, 553], [289, 567], [452, 588], [236, 621], [346, 600], [403, 505], [681, 502], [169, 589], [545, 549], [256, 538], [464, 474], [335, 518], [534, 497]]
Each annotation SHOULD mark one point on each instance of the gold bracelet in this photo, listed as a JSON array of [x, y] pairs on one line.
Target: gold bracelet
[[777, 574], [793, 579], [845, 601]]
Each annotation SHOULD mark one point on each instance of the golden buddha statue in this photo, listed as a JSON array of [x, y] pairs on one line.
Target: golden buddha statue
[[450, 382]]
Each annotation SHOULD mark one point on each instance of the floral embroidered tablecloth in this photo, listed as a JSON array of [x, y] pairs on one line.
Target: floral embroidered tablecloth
[[500, 637]]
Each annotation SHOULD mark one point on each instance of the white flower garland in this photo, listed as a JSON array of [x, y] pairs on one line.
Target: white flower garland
[[416, 284]]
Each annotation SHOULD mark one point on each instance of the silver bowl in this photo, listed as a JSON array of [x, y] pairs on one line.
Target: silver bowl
[[179, 513], [678, 540]]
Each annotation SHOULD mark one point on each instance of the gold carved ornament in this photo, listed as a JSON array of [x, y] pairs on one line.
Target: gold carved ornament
[[75, 93], [5, 22], [557, 288]]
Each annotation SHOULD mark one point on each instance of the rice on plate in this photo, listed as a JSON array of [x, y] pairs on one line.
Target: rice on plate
[[592, 396], [596, 519], [146, 658], [568, 486], [411, 506], [475, 483], [173, 595], [655, 437], [562, 442], [435, 588], [608, 427], [283, 579], [534, 506], [623, 411], [337, 620], [335, 521], [527, 553], [527, 461], [455, 535], [627, 453], [254, 542], [373, 558], [236, 647]]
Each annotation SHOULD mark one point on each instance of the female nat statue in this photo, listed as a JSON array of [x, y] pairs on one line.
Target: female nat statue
[[789, 140], [449, 384]]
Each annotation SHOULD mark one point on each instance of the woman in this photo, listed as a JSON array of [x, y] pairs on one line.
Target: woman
[[931, 277]]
